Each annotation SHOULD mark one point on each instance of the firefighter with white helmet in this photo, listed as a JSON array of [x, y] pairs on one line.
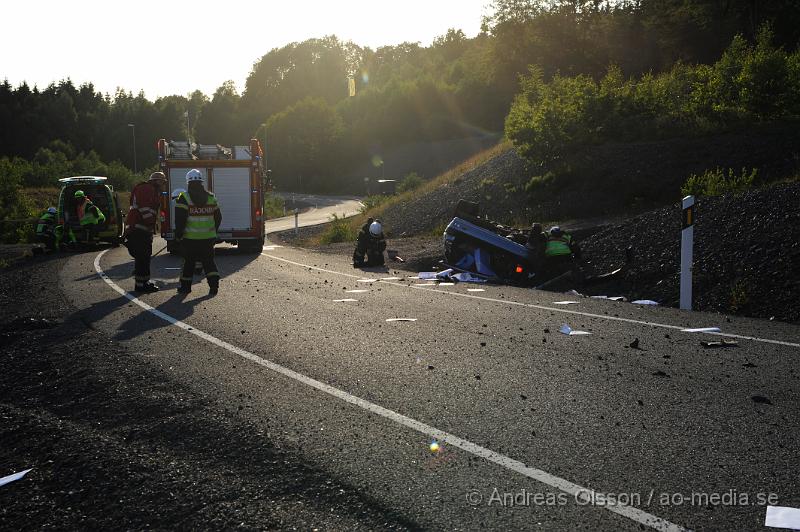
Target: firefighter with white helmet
[[197, 219], [371, 243]]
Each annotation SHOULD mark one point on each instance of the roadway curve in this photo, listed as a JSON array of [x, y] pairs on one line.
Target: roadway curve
[[524, 416], [320, 209]]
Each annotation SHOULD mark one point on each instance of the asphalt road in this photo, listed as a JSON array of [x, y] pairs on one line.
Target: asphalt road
[[320, 210], [527, 420]]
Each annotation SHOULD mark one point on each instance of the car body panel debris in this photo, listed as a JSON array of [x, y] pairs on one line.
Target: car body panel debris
[[16, 476]]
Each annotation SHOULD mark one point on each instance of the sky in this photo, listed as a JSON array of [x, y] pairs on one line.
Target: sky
[[175, 47]]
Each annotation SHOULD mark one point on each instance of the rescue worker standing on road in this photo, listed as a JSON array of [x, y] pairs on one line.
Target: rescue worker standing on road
[[371, 243], [89, 215], [559, 249], [46, 229], [140, 227], [197, 219]]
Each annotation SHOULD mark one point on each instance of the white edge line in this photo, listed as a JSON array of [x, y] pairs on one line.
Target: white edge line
[[554, 309], [511, 464]]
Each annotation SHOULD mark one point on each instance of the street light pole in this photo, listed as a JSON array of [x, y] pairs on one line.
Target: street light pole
[[133, 134]]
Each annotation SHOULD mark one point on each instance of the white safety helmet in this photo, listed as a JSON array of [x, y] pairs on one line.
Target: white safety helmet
[[555, 230], [194, 175], [51, 210], [375, 229], [177, 192]]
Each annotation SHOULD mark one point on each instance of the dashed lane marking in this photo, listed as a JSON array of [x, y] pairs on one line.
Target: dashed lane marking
[[575, 490], [553, 309]]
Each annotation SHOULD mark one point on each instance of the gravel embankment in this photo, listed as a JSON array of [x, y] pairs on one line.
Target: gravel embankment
[[746, 254]]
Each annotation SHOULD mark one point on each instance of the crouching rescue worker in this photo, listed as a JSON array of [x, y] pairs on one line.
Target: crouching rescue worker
[[197, 218], [89, 215], [46, 229], [559, 250], [371, 243], [140, 227]]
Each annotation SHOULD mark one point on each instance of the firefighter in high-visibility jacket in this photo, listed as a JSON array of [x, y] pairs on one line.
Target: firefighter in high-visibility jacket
[[46, 229], [197, 218], [140, 225], [90, 217], [559, 250]]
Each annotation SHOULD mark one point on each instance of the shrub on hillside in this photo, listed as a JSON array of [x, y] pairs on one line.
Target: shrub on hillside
[[273, 206], [14, 204], [409, 182], [750, 83], [717, 182], [339, 230]]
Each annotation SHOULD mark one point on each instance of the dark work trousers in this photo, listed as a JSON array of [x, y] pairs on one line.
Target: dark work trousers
[[203, 251], [140, 247]]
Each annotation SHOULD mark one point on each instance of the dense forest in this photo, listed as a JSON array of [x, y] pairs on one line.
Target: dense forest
[[553, 73]]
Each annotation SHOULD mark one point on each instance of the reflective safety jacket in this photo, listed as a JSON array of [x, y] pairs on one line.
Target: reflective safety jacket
[[199, 222], [144, 208], [91, 214], [46, 223], [558, 246]]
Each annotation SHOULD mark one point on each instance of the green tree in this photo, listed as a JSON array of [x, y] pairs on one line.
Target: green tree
[[305, 138]]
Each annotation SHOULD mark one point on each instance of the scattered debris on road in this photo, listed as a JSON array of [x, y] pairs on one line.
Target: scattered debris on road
[[16, 476], [723, 343], [569, 331]]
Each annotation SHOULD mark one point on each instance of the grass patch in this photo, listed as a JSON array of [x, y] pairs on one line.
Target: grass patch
[[447, 177], [370, 202]]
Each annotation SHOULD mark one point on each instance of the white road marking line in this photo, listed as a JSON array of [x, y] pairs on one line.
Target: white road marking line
[[447, 284], [389, 279], [475, 290], [555, 309], [366, 280], [402, 319], [356, 291], [575, 490], [344, 300]]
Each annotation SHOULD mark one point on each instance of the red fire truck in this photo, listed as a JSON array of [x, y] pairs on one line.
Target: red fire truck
[[235, 175]]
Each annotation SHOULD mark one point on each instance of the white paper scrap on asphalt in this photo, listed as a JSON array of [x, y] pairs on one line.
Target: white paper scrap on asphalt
[[15, 476], [612, 298], [565, 303], [344, 300], [644, 302], [702, 330], [783, 517], [466, 277], [402, 319], [569, 331]]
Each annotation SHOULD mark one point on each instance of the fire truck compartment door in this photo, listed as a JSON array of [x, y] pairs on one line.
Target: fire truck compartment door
[[232, 189]]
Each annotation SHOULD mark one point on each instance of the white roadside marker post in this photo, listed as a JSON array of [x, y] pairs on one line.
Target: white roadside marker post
[[296, 225], [687, 252]]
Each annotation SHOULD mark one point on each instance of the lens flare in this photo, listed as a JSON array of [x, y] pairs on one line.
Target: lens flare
[[435, 446]]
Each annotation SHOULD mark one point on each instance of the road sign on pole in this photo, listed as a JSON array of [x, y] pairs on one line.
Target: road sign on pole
[[687, 252]]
